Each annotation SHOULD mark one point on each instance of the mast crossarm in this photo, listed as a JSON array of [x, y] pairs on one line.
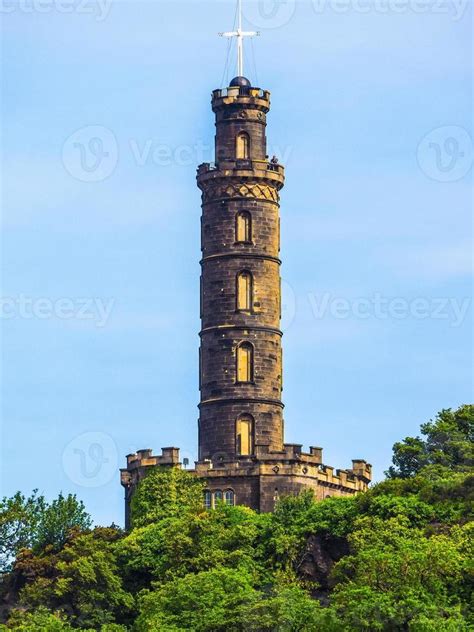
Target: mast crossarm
[[240, 35]]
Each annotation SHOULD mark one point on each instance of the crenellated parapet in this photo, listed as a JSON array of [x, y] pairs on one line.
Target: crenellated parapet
[[244, 96], [244, 179], [260, 480], [138, 464]]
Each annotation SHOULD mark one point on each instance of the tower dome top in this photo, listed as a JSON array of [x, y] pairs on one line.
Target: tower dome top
[[240, 81]]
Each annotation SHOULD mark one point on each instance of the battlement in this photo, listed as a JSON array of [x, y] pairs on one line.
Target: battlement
[[138, 461], [362, 469], [290, 471], [287, 460], [245, 96], [169, 456], [258, 481], [247, 165], [241, 91], [258, 179], [291, 452]]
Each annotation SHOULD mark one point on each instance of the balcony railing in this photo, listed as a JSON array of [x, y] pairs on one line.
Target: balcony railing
[[241, 91], [243, 163], [274, 166], [246, 164]]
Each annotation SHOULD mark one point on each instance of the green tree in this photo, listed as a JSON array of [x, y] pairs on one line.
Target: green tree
[[58, 519], [386, 506], [166, 492], [206, 601], [82, 580], [43, 620], [287, 608], [226, 599], [191, 543], [396, 577], [19, 520], [448, 495], [34, 523], [40, 620], [448, 441], [397, 558], [284, 544]]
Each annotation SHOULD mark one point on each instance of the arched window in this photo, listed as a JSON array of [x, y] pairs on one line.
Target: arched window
[[242, 146], [245, 362], [229, 497], [207, 499], [243, 229], [244, 291], [218, 496], [244, 435]]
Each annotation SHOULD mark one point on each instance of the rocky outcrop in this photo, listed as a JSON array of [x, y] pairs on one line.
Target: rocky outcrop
[[320, 555]]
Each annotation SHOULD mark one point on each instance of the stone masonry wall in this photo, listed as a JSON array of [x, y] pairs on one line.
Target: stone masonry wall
[[235, 185]]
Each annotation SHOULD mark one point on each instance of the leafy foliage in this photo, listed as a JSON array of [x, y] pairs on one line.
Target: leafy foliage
[[287, 608], [449, 442], [37, 621], [33, 523], [164, 493], [190, 543], [43, 620], [81, 580], [209, 600], [395, 575], [58, 519], [398, 558]]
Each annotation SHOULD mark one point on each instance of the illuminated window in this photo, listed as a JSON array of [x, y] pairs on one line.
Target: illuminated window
[[243, 227], [244, 291], [244, 435], [245, 362], [218, 496], [207, 499], [242, 146], [229, 497]]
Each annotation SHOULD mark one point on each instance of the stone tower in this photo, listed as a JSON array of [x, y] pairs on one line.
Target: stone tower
[[242, 454], [240, 352]]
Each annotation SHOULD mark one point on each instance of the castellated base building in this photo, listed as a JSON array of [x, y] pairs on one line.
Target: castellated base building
[[242, 454]]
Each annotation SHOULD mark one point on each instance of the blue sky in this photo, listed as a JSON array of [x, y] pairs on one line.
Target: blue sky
[[371, 113]]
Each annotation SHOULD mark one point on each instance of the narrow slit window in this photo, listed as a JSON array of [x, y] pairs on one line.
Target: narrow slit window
[[245, 362], [243, 227], [244, 435], [242, 149], [244, 291]]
